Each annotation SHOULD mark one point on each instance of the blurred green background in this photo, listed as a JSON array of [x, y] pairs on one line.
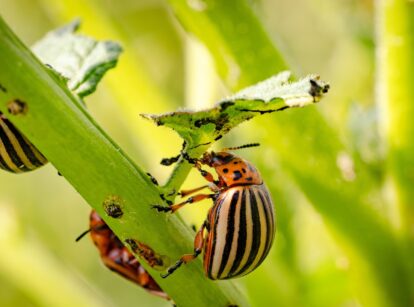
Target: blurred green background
[[163, 67]]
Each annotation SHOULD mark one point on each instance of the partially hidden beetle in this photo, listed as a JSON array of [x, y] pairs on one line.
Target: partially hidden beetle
[[241, 223], [118, 258], [17, 153]]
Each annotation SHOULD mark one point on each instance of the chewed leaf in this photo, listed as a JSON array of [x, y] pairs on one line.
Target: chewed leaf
[[81, 60], [271, 95]]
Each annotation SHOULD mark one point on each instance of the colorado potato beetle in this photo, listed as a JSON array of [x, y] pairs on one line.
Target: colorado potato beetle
[[17, 154], [240, 225], [117, 257]]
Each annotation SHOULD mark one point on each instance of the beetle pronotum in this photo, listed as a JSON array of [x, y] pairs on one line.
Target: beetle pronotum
[[240, 225]]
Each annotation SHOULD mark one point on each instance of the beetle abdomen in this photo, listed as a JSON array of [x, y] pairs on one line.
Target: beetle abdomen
[[242, 228], [17, 154]]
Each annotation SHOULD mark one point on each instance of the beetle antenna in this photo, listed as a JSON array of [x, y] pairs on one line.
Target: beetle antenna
[[83, 234], [241, 147]]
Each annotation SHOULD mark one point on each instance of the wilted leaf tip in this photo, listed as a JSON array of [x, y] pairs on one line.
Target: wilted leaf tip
[[318, 88], [295, 94]]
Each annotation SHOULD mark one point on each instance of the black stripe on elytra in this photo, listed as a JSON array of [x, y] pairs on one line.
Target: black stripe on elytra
[[241, 241], [255, 219], [10, 150], [269, 201], [214, 223], [4, 165], [230, 232], [269, 225], [24, 144]]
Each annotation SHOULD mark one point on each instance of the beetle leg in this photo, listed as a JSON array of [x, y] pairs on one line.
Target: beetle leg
[[189, 200], [208, 176], [152, 178], [187, 157], [198, 248], [184, 193], [169, 161]]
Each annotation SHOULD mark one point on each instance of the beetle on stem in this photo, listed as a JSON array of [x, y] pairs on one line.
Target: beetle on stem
[[118, 258], [240, 225]]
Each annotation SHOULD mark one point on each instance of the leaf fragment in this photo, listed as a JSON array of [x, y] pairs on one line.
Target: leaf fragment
[[79, 59], [274, 94]]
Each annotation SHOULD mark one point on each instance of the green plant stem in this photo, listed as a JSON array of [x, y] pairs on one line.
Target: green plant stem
[[98, 169], [316, 172], [395, 61], [395, 96]]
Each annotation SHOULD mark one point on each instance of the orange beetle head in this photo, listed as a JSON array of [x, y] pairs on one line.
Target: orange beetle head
[[231, 169]]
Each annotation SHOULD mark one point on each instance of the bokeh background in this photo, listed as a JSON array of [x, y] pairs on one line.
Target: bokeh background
[[314, 261]]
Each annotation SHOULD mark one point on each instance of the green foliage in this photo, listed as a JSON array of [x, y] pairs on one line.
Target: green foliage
[[342, 191], [271, 95]]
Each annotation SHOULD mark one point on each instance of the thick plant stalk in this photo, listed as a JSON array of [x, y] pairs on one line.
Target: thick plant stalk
[[60, 127], [395, 61], [395, 96]]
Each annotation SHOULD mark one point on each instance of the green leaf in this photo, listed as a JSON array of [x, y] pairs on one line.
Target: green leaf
[[81, 60], [271, 95]]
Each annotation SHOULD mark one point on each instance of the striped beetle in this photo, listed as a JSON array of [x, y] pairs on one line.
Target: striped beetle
[[17, 154], [118, 258], [240, 225]]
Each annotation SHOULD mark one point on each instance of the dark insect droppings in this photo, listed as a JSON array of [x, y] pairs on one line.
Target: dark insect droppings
[[202, 121], [153, 180], [16, 107], [316, 90], [225, 104], [112, 206]]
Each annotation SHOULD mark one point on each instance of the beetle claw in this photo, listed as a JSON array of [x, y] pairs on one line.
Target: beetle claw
[[160, 208]]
